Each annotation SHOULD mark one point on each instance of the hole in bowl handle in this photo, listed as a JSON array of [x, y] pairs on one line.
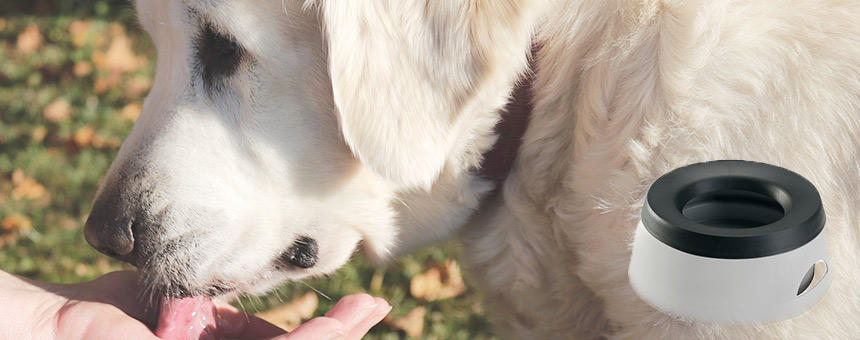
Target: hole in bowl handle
[[812, 277]]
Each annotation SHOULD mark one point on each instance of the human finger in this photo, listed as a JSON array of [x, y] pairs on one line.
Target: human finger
[[322, 328], [359, 330], [233, 323]]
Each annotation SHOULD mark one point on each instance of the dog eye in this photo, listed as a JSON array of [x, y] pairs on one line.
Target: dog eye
[[218, 56]]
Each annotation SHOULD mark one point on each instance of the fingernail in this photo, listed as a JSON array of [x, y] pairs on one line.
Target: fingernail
[[370, 301], [366, 311], [383, 306], [371, 306], [379, 313], [387, 310]]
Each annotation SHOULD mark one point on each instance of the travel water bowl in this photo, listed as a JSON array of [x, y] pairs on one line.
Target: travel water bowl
[[731, 241]]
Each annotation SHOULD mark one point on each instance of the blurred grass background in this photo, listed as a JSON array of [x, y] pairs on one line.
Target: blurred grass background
[[73, 75]]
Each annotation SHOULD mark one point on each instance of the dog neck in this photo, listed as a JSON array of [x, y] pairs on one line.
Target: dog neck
[[514, 118]]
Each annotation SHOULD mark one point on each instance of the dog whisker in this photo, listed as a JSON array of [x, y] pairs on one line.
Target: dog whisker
[[257, 305], [316, 290], [239, 300], [278, 295]]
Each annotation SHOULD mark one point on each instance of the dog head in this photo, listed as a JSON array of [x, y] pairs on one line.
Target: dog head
[[280, 135]]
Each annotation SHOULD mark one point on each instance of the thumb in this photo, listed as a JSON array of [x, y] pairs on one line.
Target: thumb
[[104, 327]]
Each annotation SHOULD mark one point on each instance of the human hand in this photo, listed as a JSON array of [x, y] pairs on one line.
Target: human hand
[[99, 309], [197, 318], [107, 308], [350, 319]]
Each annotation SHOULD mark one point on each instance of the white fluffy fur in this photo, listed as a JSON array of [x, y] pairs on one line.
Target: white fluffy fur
[[237, 175], [416, 83], [628, 90], [234, 176], [366, 129]]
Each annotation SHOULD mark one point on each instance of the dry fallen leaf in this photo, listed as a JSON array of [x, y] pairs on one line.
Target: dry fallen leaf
[[116, 28], [425, 284], [12, 227], [82, 68], [119, 58], [68, 223], [29, 40], [290, 316], [57, 111], [16, 223], [83, 269], [79, 30], [412, 323], [102, 265], [100, 142], [38, 134], [84, 136], [137, 86], [25, 187], [104, 83], [440, 281], [101, 85], [130, 112]]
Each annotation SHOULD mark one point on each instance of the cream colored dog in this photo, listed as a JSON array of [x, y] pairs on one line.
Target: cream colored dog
[[274, 125]]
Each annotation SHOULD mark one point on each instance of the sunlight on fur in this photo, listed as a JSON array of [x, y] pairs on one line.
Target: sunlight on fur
[[361, 123]]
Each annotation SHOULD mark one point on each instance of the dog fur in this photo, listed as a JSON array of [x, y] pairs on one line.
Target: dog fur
[[362, 121], [629, 90]]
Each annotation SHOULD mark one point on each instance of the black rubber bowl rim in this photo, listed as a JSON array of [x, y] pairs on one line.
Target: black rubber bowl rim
[[802, 221]]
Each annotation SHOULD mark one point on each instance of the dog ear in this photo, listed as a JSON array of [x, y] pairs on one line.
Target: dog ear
[[416, 82]]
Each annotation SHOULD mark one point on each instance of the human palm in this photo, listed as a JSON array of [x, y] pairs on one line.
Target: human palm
[[107, 308]]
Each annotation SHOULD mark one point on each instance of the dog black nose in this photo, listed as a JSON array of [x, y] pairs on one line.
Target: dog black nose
[[108, 229], [302, 254]]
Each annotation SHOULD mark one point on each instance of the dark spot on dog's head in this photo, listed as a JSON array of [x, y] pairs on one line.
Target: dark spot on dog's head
[[218, 56], [302, 254]]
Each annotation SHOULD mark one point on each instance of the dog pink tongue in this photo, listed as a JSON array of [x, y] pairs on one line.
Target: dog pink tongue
[[191, 318]]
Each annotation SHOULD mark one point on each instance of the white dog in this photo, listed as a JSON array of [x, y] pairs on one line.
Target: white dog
[[278, 135]]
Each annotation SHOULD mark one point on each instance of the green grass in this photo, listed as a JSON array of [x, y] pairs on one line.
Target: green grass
[[46, 151]]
